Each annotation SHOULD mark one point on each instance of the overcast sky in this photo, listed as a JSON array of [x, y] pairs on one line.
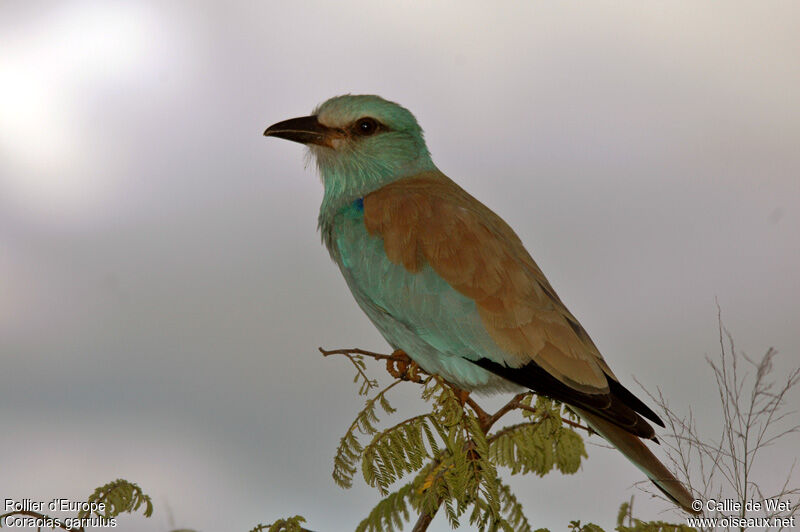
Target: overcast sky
[[163, 288]]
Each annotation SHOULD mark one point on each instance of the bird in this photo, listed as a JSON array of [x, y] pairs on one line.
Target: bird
[[448, 282]]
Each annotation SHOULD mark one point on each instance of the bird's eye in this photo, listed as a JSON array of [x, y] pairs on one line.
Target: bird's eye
[[366, 126]]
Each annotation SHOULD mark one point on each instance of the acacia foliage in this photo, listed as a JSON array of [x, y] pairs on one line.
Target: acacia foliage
[[449, 458]]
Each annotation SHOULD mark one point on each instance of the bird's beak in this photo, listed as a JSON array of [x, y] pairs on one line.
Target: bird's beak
[[306, 130]]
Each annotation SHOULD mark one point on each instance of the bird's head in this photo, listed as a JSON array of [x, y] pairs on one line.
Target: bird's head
[[360, 142]]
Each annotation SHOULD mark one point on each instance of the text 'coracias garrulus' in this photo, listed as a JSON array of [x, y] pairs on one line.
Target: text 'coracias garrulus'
[[449, 282]]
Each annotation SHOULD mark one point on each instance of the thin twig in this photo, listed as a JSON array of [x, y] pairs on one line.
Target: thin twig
[[424, 520], [563, 419], [355, 351]]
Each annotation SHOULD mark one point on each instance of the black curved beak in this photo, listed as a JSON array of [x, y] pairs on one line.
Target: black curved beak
[[306, 130]]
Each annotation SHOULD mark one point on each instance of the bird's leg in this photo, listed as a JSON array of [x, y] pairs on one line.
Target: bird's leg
[[462, 396], [400, 366]]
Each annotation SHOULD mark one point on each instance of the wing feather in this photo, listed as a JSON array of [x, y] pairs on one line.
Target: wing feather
[[428, 219]]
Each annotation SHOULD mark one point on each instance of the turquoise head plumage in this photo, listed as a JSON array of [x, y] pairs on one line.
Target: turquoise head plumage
[[359, 143]]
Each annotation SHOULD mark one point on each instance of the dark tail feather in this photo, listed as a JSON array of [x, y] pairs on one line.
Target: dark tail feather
[[637, 452]]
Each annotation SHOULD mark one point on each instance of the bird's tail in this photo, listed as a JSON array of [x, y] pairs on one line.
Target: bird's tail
[[637, 452]]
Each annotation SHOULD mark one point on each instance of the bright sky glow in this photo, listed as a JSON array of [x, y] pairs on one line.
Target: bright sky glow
[[48, 70]]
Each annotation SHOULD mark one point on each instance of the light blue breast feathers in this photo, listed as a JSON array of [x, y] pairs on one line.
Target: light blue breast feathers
[[419, 313]]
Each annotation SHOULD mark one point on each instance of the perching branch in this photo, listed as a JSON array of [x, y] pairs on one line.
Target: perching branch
[[401, 367], [472, 430]]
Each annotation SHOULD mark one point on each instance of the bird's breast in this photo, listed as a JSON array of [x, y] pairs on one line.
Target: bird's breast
[[418, 312]]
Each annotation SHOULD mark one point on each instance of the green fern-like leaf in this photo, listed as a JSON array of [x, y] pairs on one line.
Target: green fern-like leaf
[[483, 474], [569, 451], [446, 407], [118, 496], [575, 526], [485, 520], [365, 384], [290, 524], [512, 509], [350, 450], [624, 512], [463, 475], [396, 451], [390, 513], [538, 446]]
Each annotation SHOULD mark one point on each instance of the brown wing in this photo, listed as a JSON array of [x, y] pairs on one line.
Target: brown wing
[[429, 219]]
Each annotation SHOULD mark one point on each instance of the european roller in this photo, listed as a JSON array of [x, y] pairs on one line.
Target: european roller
[[448, 282]]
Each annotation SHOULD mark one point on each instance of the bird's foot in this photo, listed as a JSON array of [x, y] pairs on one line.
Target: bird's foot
[[401, 356], [400, 366]]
